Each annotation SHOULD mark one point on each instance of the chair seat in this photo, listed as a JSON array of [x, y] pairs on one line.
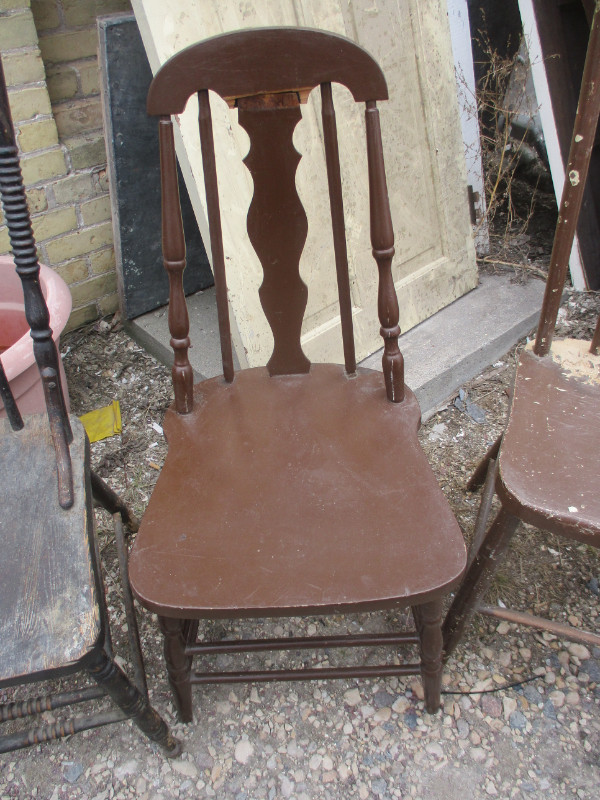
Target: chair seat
[[291, 494], [552, 438], [49, 618]]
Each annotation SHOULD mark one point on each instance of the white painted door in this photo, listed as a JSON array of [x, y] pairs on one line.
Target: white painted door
[[435, 260]]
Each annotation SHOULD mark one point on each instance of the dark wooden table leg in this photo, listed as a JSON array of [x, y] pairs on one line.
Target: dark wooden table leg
[[179, 664], [478, 578], [127, 697], [429, 626]]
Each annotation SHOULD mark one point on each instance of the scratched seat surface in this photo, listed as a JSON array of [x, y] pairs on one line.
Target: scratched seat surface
[[310, 493], [549, 472], [49, 609]]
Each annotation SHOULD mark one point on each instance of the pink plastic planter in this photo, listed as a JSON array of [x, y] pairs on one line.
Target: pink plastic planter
[[16, 345]]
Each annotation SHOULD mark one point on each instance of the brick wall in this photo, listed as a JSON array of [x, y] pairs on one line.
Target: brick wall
[[49, 51]]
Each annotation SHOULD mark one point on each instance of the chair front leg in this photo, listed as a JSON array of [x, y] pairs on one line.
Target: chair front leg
[[179, 665], [131, 701], [429, 628], [478, 578]]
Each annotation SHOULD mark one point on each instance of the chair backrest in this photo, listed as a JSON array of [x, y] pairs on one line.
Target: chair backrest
[[22, 242], [267, 74]]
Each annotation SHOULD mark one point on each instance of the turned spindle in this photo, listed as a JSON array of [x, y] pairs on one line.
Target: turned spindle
[[382, 241], [173, 244]]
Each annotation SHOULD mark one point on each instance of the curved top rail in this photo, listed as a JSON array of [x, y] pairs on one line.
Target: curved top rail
[[265, 60]]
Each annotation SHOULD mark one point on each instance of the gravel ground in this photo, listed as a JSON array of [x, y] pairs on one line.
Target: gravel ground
[[521, 710]]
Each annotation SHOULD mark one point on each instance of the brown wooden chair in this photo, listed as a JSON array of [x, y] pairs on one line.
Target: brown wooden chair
[[53, 616], [297, 489], [544, 468]]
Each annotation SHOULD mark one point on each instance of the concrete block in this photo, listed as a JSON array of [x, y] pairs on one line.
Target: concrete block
[[151, 331], [457, 343], [440, 354]]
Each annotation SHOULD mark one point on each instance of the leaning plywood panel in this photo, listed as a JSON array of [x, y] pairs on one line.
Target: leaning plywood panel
[[435, 261]]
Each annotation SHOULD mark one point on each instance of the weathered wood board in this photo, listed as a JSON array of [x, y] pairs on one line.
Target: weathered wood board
[[435, 258]]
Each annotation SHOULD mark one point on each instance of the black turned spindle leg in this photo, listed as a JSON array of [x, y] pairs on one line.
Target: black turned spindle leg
[[118, 686], [179, 664]]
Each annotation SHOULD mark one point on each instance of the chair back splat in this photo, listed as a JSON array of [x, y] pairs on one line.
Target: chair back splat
[[267, 75]]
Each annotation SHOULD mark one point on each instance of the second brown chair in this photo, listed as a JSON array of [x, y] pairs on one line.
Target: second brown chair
[[294, 489]]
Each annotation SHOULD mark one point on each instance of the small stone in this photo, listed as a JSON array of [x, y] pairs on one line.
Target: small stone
[[417, 690], [532, 694], [186, 768], [379, 787], [435, 749], [525, 653], [558, 698], [509, 704], [503, 628], [550, 678], [254, 698], [315, 761], [287, 787], [491, 705], [579, 651], [367, 711], [327, 763], [572, 698], [478, 754], [410, 719], [382, 699], [594, 586], [73, 769], [549, 709], [352, 697], [382, 715], [243, 751], [462, 728], [475, 738], [517, 721], [490, 788], [400, 705]]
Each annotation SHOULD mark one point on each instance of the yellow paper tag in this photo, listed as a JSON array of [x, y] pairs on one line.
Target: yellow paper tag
[[103, 422]]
